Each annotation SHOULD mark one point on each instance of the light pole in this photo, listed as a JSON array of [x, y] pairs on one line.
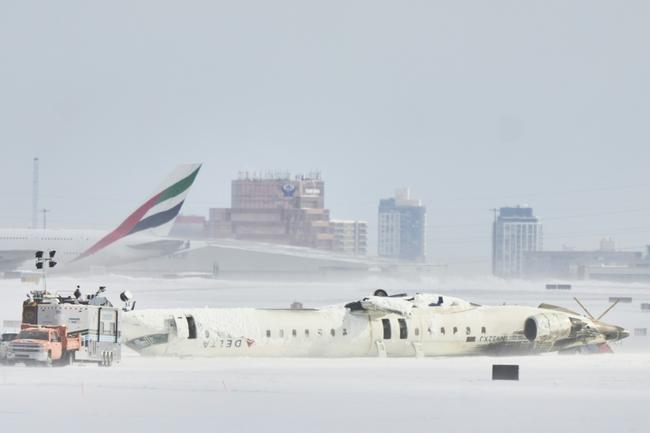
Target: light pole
[[41, 262]]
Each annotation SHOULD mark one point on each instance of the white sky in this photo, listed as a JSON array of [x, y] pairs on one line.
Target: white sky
[[472, 104]]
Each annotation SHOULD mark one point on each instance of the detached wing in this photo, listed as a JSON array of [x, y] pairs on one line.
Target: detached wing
[[381, 305]]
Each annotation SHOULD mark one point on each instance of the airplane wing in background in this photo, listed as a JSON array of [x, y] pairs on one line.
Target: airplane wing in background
[[11, 259], [165, 246]]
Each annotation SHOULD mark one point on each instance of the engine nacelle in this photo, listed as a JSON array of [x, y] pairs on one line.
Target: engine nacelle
[[547, 326]]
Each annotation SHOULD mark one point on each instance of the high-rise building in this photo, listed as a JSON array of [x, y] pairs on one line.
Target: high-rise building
[[350, 237], [402, 227], [273, 207], [515, 231]]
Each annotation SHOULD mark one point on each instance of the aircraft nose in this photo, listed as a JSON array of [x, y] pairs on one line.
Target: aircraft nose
[[623, 333], [613, 332], [618, 333]]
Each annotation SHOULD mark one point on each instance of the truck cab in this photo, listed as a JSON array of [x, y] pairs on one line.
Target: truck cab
[[42, 345]]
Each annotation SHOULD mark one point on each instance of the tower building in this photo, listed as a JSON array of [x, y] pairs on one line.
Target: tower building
[[515, 231], [402, 227]]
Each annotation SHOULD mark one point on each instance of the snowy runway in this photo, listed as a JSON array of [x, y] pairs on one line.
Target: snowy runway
[[598, 393], [556, 393]]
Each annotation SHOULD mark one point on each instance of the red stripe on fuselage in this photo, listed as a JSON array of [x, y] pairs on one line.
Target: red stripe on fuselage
[[123, 229]]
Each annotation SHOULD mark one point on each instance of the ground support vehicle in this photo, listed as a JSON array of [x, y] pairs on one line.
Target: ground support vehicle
[[62, 330]]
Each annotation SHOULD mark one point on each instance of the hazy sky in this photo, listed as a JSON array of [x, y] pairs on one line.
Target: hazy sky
[[473, 104]]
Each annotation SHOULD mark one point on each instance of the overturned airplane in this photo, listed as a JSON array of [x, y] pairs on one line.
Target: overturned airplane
[[378, 325]]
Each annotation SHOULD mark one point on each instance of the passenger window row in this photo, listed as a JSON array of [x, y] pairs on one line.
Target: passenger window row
[[468, 330], [319, 332]]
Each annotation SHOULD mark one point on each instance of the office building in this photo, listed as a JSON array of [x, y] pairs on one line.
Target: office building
[[515, 232], [275, 208], [402, 227], [350, 237]]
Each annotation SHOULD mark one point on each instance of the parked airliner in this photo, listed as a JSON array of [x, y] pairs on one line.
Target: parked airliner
[[378, 325], [141, 235]]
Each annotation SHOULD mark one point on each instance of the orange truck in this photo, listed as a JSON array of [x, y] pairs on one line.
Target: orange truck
[[43, 345]]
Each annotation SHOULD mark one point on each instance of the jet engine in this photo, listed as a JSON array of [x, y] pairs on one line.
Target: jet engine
[[548, 326]]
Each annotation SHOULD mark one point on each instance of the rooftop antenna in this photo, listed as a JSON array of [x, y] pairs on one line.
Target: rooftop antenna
[[45, 211], [35, 194]]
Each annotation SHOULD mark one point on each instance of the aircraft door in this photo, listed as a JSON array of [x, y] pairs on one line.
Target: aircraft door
[[181, 325], [394, 335]]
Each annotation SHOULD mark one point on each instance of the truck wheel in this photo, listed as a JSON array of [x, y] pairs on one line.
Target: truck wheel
[[66, 359], [48, 361], [109, 359]]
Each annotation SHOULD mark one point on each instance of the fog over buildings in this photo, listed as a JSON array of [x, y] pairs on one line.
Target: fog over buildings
[[473, 105], [290, 134]]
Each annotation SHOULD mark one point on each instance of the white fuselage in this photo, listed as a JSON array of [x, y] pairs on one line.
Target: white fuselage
[[69, 244], [461, 329]]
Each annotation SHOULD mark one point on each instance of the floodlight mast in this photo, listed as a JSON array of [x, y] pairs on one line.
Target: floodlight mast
[[43, 262]]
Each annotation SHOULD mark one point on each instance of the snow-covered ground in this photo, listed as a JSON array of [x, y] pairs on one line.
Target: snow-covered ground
[[599, 393]]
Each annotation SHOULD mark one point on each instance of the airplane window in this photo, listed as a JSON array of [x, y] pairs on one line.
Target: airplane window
[[294, 333], [332, 332], [483, 331], [268, 333], [417, 331], [468, 331], [386, 324], [281, 333], [306, 332], [455, 329], [442, 330], [403, 330]]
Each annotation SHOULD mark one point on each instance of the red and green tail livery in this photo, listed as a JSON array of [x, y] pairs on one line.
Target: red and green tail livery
[[156, 215]]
